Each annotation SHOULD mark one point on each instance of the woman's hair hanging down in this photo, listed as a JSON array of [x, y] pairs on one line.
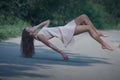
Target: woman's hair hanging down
[[27, 44]]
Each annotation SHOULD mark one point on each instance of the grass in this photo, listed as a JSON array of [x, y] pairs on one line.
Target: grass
[[7, 31]]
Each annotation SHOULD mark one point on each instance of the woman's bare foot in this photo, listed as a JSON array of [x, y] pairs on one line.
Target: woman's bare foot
[[107, 47], [104, 35], [101, 34]]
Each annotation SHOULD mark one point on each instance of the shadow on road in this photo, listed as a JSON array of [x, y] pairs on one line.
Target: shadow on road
[[12, 64]]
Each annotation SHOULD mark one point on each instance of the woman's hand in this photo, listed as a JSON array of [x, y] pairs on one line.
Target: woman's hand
[[42, 24], [64, 55]]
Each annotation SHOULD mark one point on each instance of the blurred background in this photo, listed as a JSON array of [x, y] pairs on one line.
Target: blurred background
[[18, 14]]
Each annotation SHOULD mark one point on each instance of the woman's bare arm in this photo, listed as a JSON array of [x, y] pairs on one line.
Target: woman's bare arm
[[49, 44], [43, 24]]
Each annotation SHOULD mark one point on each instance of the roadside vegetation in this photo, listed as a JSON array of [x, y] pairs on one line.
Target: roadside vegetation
[[17, 14]]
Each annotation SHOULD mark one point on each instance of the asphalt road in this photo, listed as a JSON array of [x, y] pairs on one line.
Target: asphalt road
[[87, 61]]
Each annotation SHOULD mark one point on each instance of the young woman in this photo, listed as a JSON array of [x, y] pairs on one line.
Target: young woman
[[64, 33]]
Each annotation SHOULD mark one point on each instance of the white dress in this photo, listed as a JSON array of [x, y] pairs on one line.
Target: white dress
[[64, 33]]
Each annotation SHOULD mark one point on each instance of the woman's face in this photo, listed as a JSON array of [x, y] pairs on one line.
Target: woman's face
[[30, 30]]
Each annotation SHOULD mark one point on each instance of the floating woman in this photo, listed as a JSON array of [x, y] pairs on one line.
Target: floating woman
[[65, 33]]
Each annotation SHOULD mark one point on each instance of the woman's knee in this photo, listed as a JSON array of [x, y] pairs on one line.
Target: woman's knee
[[84, 16], [81, 19]]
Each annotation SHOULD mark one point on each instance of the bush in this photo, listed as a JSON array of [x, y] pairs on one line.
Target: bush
[[97, 14], [14, 30], [8, 20]]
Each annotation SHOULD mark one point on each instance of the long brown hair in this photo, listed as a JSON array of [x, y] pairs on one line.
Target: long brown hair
[[27, 44]]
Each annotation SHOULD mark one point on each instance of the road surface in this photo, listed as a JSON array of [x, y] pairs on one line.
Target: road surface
[[87, 61]]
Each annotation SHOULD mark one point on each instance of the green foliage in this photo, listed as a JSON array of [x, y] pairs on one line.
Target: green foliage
[[97, 14], [60, 11], [68, 10], [113, 8], [105, 14], [15, 30], [32, 11]]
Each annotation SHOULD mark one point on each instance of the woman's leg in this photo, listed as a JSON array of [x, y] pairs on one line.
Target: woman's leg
[[85, 19], [87, 28]]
